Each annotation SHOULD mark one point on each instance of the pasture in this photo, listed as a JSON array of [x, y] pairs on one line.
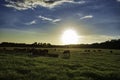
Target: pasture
[[83, 64]]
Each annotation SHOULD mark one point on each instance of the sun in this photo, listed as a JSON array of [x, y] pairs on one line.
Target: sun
[[69, 37]]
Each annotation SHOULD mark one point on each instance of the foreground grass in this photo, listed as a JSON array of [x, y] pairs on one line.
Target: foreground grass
[[81, 66]]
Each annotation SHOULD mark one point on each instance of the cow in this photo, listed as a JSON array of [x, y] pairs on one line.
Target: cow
[[99, 50], [94, 50], [88, 50], [66, 54], [53, 55], [111, 51], [39, 52], [85, 50]]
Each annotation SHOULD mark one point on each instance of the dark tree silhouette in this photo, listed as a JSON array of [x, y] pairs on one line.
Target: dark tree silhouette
[[111, 44]]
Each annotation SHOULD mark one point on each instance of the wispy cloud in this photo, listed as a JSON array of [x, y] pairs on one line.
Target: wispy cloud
[[31, 23], [56, 20], [49, 19], [30, 4], [118, 0], [95, 39], [86, 17]]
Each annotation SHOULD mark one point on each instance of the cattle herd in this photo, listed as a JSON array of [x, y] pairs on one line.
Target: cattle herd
[[43, 52], [37, 52], [99, 50], [93, 50]]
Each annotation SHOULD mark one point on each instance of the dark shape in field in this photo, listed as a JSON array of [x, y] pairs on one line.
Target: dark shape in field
[[55, 49], [20, 50], [4, 49], [86, 50], [94, 50], [111, 51], [39, 52], [53, 55], [66, 54], [99, 50], [29, 51]]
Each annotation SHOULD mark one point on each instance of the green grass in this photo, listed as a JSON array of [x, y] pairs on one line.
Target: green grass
[[81, 66]]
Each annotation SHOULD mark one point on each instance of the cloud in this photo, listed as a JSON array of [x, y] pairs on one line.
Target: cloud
[[118, 0], [49, 19], [56, 20], [30, 4], [44, 19], [86, 17], [97, 38], [31, 23]]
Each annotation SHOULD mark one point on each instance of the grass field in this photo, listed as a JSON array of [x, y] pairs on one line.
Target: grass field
[[81, 66]]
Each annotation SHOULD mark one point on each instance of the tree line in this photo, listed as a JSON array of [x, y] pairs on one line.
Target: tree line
[[35, 44], [111, 44]]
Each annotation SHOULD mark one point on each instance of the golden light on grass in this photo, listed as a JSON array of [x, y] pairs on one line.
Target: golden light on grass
[[70, 37]]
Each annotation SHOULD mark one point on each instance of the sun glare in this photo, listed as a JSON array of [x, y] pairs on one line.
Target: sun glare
[[69, 37]]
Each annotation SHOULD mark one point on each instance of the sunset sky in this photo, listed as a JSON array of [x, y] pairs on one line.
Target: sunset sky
[[28, 21]]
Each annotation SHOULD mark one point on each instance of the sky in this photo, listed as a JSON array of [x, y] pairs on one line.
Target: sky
[[28, 21]]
